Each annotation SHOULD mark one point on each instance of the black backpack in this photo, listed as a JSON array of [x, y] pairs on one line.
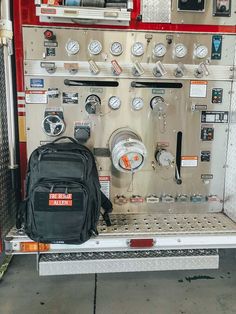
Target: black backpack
[[63, 196]]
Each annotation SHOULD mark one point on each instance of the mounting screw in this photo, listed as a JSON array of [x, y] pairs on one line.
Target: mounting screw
[[139, 18]]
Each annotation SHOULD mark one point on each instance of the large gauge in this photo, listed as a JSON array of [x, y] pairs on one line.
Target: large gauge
[[138, 49], [180, 50], [159, 50], [95, 47], [72, 47], [114, 103], [116, 48], [137, 103], [200, 51]]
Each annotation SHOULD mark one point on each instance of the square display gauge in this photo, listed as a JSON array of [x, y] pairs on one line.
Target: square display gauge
[[222, 8]]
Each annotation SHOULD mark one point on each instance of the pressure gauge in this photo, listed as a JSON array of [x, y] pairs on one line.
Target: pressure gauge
[[159, 50], [114, 103], [158, 105], [116, 48], [200, 51], [138, 49], [137, 103], [72, 47], [180, 50], [95, 47]]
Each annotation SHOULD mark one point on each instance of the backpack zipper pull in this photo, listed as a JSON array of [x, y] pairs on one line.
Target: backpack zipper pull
[[52, 188]]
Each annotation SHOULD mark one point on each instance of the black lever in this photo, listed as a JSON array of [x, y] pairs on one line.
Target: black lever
[[178, 178]]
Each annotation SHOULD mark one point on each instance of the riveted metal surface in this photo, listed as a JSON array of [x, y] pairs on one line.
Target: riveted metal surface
[[7, 197], [156, 11], [109, 262]]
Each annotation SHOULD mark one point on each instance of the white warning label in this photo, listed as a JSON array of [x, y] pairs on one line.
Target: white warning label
[[189, 161], [36, 97], [105, 182], [198, 89]]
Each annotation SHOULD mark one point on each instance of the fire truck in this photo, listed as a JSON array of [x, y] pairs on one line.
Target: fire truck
[[158, 75]]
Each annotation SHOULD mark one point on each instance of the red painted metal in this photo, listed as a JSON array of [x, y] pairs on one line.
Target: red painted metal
[[29, 18]]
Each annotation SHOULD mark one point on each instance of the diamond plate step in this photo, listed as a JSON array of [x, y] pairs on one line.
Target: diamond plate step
[[127, 261]]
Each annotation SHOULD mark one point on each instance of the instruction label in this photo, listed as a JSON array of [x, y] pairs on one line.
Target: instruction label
[[198, 89], [37, 83], [70, 98], [36, 97]]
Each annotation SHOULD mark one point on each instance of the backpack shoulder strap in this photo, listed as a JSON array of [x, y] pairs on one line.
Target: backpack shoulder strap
[[108, 208]]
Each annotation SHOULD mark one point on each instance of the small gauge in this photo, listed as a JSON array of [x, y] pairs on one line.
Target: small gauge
[[72, 47], [95, 47], [159, 50], [116, 48], [200, 51], [138, 49], [180, 50], [137, 103], [114, 103]]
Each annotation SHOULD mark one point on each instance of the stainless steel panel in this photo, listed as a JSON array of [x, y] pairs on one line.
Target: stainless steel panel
[[34, 46], [179, 118], [152, 179], [65, 264]]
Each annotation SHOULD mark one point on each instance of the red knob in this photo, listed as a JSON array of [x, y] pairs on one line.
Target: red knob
[[49, 35]]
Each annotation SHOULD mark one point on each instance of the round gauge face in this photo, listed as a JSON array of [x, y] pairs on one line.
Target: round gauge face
[[158, 104], [180, 50], [116, 48], [114, 103], [137, 103], [201, 51], [72, 47], [159, 50], [138, 49], [131, 161], [95, 47]]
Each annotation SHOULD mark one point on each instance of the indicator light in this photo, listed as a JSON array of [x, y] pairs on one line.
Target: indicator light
[[34, 247]]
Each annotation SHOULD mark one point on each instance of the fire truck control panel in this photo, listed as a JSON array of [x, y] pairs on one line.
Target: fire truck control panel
[[149, 87]]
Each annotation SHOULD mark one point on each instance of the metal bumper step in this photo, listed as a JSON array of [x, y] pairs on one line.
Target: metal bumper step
[[126, 261]]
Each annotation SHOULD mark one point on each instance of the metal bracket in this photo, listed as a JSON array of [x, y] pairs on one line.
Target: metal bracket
[[6, 33]]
